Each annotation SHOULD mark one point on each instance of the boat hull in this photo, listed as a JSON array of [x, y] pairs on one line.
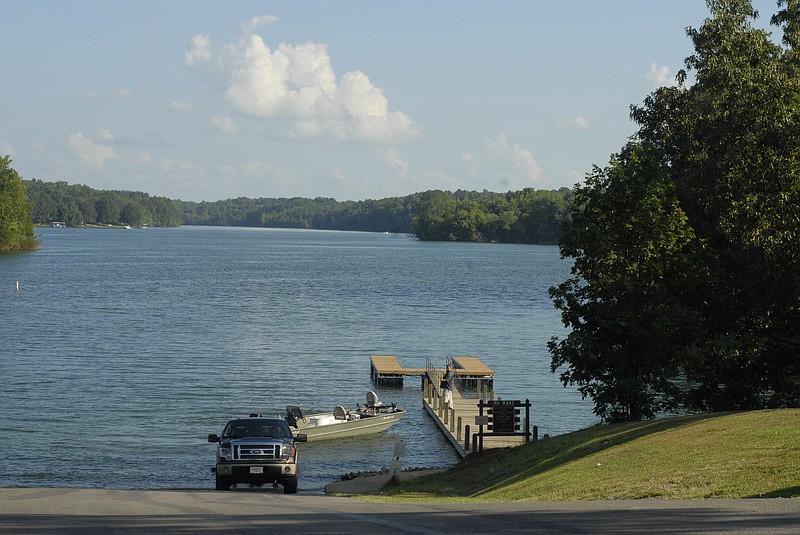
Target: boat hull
[[327, 427]]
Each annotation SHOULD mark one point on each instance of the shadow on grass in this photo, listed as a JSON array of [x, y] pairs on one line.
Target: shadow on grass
[[496, 468], [791, 492]]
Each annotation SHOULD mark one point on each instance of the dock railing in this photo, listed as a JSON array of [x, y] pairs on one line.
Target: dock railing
[[430, 385]]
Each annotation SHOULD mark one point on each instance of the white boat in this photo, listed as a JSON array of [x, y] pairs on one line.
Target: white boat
[[364, 419]]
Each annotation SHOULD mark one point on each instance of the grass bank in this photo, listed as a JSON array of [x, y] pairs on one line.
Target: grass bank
[[731, 455]]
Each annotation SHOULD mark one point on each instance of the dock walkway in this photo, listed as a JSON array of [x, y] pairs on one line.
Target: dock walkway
[[458, 423]]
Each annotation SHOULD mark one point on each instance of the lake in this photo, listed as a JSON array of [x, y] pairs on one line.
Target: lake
[[123, 349]]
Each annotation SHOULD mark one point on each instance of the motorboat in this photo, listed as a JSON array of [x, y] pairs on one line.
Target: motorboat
[[372, 417]]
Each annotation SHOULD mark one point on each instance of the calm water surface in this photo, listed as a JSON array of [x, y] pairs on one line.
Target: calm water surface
[[123, 349]]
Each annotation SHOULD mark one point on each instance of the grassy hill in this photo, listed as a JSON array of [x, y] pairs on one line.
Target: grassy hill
[[731, 455]]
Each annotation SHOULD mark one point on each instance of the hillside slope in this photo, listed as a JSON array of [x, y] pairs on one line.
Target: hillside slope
[[731, 455]]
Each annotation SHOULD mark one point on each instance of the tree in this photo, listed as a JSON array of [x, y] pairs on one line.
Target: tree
[[133, 214], [627, 235], [712, 179], [436, 211], [108, 207], [16, 228]]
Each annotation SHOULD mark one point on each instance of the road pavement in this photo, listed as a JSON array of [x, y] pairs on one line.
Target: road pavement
[[94, 511]]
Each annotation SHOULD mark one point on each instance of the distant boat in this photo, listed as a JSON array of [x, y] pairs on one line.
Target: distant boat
[[367, 419], [58, 224]]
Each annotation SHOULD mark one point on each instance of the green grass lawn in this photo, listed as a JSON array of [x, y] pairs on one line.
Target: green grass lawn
[[731, 455]]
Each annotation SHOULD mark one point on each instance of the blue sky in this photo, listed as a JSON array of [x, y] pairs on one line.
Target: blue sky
[[208, 100]]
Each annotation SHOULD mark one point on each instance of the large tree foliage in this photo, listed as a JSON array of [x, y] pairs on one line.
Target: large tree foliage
[[16, 228], [627, 236], [685, 290]]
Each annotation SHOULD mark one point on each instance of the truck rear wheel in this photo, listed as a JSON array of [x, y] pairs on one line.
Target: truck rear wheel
[[290, 486]]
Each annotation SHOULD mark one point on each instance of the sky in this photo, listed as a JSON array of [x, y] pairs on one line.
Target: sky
[[204, 100]]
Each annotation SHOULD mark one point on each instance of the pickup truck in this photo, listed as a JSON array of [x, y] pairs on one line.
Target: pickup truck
[[256, 451]]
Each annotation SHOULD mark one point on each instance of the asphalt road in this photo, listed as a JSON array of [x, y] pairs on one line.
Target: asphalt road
[[89, 511]]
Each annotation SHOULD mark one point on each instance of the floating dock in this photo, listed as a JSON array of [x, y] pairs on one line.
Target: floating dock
[[463, 423], [386, 370]]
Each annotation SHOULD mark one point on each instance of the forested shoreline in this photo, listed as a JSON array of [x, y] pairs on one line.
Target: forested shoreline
[[76, 205], [525, 216]]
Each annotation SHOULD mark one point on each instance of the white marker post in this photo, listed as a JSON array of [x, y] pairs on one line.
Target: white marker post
[[397, 459]]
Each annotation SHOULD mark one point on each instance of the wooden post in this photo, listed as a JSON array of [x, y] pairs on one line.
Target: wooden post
[[527, 419], [479, 436]]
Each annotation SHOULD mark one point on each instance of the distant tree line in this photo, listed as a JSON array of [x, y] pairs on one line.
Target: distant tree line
[[77, 205], [526, 216], [385, 215]]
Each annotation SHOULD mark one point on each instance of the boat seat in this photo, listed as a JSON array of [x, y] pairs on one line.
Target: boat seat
[[372, 400], [339, 413]]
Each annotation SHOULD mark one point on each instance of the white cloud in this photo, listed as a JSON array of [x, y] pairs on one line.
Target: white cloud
[[390, 156], [578, 122], [105, 135], [181, 168], [224, 125], [176, 106], [297, 84], [199, 52], [255, 23], [660, 76], [93, 155], [511, 165]]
